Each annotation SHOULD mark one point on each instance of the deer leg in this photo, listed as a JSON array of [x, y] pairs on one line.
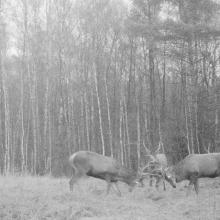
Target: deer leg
[[141, 182], [188, 188], [196, 185], [108, 187], [193, 181], [164, 177], [158, 179], [117, 189], [164, 185], [109, 184], [73, 180]]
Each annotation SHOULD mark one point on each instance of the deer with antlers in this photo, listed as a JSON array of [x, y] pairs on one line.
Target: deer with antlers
[[195, 166], [87, 163]]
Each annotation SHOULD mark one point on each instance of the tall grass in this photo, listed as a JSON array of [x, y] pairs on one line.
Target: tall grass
[[46, 198]]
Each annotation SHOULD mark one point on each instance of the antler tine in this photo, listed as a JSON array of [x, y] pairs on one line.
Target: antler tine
[[146, 149], [153, 159], [149, 164], [143, 168], [159, 147]]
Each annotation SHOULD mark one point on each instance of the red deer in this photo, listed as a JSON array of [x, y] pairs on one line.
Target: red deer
[[86, 163], [195, 166]]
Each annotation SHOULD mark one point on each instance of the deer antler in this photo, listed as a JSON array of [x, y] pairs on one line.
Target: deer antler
[[158, 149], [146, 149], [160, 146], [159, 171], [152, 158], [156, 167]]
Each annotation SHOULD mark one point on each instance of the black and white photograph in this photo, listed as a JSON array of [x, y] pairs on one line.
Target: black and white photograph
[[109, 109]]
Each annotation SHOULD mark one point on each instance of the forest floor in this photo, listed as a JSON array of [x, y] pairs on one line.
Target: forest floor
[[36, 198]]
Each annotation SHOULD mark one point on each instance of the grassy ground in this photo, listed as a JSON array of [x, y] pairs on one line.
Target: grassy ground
[[48, 198]]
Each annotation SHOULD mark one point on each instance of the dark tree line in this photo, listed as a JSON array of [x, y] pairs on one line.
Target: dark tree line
[[108, 76]]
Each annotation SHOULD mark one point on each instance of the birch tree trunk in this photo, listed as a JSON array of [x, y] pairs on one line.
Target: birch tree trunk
[[23, 168], [4, 97], [34, 125], [108, 115], [27, 138], [87, 121], [47, 116], [50, 142], [138, 134], [5, 118], [23, 73], [107, 97], [82, 131], [99, 110], [45, 159], [196, 123], [127, 134], [186, 111], [152, 97], [93, 140], [121, 132], [216, 98]]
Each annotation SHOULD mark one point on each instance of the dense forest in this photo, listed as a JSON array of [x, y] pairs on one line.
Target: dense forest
[[116, 77]]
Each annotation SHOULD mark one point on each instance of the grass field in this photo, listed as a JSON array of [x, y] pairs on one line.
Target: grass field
[[48, 198]]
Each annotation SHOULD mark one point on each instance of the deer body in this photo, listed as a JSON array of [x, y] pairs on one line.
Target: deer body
[[195, 166], [86, 163]]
